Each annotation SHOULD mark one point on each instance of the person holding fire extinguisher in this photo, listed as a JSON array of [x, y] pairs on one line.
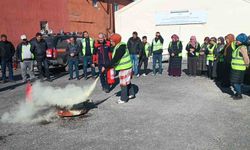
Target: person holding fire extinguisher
[[103, 52], [122, 63]]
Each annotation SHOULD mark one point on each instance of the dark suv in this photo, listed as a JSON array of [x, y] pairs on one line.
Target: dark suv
[[56, 52]]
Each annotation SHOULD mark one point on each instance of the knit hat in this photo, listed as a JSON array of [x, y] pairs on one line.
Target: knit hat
[[116, 38], [242, 38]]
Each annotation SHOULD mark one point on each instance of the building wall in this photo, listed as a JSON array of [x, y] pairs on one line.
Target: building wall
[[83, 16], [69, 15], [223, 18], [24, 16]]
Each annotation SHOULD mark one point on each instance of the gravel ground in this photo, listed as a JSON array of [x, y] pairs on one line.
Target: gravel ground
[[168, 113]]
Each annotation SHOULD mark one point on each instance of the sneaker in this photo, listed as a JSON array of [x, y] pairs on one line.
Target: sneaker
[[78, 78], [131, 96], [120, 102], [138, 75], [144, 74], [70, 78], [153, 74]]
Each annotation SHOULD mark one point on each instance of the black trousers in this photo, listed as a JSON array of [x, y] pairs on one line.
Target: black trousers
[[127, 91], [210, 69], [103, 78], [145, 62], [43, 64], [226, 74]]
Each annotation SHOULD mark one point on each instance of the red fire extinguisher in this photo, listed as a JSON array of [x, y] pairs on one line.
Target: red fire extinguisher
[[111, 76], [28, 92]]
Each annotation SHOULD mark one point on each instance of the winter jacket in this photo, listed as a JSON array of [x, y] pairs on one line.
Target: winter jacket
[[73, 49], [134, 46], [175, 48], [7, 51], [27, 55], [196, 50], [103, 52], [39, 49]]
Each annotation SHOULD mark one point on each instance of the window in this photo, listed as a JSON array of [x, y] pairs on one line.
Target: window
[[43, 25], [116, 6], [95, 3]]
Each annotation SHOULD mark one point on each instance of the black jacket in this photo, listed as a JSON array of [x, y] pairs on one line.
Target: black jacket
[[7, 51], [134, 46], [196, 50], [73, 48], [39, 49], [176, 48]]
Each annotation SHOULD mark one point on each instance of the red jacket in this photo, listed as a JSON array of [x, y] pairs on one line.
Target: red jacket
[[102, 54]]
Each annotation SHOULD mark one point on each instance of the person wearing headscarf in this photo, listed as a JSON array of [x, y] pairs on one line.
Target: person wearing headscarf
[[202, 58], [175, 60], [192, 48], [227, 58], [247, 75], [239, 64], [211, 56], [218, 60], [121, 61]]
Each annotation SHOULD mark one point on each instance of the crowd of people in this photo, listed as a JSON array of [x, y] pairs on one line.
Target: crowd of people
[[224, 60]]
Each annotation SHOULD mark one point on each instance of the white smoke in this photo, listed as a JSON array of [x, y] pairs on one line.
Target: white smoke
[[44, 100]]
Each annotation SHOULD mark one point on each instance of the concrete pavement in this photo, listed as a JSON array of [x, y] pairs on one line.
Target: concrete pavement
[[168, 113]]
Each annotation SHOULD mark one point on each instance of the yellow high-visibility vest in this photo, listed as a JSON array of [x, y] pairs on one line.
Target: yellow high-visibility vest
[[125, 62]]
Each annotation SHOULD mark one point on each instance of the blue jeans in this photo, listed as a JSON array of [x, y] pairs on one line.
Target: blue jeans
[[10, 68], [240, 88], [73, 63], [157, 58], [86, 61], [135, 62], [237, 88]]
